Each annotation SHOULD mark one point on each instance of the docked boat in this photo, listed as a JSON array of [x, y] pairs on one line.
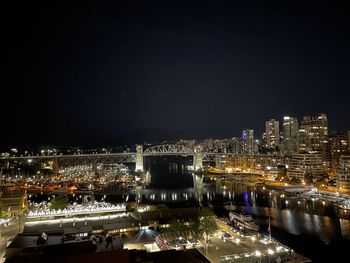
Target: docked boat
[[230, 207], [244, 221]]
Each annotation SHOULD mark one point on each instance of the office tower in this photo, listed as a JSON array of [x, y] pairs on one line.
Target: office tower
[[290, 134], [207, 145], [272, 133], [326, 156], [301, 141], [248, 141], [236, 145], [343, 173], [338, 145], [316, 131]]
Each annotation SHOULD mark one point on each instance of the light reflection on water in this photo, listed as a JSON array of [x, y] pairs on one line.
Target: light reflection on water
[[297, 222], [296, 216]]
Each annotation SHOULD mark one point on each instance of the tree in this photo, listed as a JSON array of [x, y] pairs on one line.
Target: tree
[[207, 225], [308, 177], [59, 202], [131, 206], [295, 180], [178, 227], [321, 181]]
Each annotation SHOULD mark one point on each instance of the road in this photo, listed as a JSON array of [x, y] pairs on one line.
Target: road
[[7, 232]]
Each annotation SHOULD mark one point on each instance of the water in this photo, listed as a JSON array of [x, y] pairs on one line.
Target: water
[[319, 231]]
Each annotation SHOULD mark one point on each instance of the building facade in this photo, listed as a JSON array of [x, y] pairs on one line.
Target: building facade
[[264, 164], [343, 172], [272, 133], [248, 141], [301, 141], [338, 146], [236, 145], [290, 134], [316, 131], [307, 164]]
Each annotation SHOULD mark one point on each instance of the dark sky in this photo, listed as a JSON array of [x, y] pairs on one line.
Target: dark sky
[[154, 70]]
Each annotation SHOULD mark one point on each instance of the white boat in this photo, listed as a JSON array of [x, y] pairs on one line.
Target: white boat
[[230, 207], [244, 221]]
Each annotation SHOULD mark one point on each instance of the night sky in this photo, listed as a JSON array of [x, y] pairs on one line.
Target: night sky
[[137, 71]]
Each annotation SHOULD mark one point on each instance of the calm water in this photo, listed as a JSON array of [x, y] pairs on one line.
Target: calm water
[[319, 231]]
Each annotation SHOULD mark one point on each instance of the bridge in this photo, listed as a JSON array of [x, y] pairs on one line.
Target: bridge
[[57, 161]]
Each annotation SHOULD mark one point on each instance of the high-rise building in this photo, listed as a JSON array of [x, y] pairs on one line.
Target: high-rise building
[[248, 141], [307, 164], [207, 145], [290, 134], [338, 146], [343, 173], [272, 133], [316, 131], [326, 156], [301, 141], [236, 145], [220, 145]]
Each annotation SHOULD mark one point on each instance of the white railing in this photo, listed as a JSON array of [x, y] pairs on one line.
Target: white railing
[[78, 210]]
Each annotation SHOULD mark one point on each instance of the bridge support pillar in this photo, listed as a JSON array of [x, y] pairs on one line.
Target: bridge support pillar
[[198, 158], [217, 161], [139, 158]]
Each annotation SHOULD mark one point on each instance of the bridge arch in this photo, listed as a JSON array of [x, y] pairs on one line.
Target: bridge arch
[[174, 149], [168, 149]]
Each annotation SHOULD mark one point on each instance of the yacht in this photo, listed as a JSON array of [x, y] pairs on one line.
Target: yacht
[[230, 207], [244, 221]]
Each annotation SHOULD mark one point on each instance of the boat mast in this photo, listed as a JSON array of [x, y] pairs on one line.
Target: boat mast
[[269, 228]]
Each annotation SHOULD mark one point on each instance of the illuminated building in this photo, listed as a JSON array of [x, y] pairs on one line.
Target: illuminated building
[[221, 145], [272, 133], [236, 145], [343, 172], [301, 138], [207, 145], [13, 202], [264, 164], [326, 156], [187, 143], [305, 164], [290, 133], [338, 145], [248, 141], [316, 131]]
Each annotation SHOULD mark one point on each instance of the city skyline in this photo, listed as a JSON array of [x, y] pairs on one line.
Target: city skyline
[[258, 134], [175, 131], [134, 72]]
